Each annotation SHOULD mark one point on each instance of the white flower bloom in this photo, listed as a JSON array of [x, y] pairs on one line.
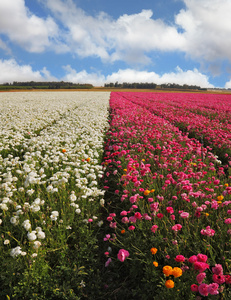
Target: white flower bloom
[[26, 224], [37, 244], [14, 220], [15, 251], [6, 242], [78, 210], [31, 236]]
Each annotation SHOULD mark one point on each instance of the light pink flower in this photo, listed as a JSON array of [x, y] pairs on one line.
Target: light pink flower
[[184, 215], [200, 277], [213, 289], [154, 228], [218, 270]]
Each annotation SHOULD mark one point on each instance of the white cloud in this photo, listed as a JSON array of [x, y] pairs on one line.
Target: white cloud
[[4, 47], [207, 29], [12, 71], [228, 85], [189, 77], [24, 28]]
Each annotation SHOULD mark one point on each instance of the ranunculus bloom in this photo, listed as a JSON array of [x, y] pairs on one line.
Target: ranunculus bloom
[[154, 228], [202, 257], [228, 221], [219, 278], [203, 289], [122, 255], [218, 270], [194, 288], [200, 277], [227, 279], [180, 258], [192, 259], [213, 289], [200, 266], [176, 272], [169, 284], [184, 215], [167, 270], [177, 227]]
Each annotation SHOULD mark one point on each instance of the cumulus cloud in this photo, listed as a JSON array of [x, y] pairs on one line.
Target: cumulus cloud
[[12, 71], [228, 85], [207, 27], [24, 28], [189, 77]]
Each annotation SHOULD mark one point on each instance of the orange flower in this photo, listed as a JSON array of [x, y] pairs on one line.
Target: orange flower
[[88, 159], [146, 192], [122, 231], [176, 272], [220, 198], [226, 184], [152, 190], [155, 263], [64, 150], [167, 270], [169, 284], [153, 250]]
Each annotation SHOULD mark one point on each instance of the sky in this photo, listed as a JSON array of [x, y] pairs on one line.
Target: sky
[[103, 41]]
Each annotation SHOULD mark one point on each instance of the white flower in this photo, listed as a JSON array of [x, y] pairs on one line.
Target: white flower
[[41, 235], [31, 236], [14, 220], [37, 244], [15, 251], [26, 224], [6, 242], [3, 206], [102, 202], [78, 210]]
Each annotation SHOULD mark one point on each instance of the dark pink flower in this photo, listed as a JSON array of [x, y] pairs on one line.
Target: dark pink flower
[[200, 266], [213, 289], [194, 288], [192, 259], [203, 289], [202, 257], [180, 258], [218, 270], [154, 228], [219, 278], [200, 277], [122, 255]]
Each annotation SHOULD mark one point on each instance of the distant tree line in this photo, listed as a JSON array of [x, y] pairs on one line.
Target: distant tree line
[[134, 85], [146, 85], [45, 85]]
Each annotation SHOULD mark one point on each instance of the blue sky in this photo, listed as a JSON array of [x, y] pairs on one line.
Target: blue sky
[[102, 41]]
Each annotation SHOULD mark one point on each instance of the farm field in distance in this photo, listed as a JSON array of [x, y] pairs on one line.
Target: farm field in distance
[[115, 195]]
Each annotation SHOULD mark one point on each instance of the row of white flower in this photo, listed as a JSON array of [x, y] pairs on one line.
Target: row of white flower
[[50, 145]]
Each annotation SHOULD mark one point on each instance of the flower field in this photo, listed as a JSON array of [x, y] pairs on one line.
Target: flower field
[[120, 198]]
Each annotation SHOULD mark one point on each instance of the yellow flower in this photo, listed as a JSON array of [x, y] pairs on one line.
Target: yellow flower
[[169, 284], [167, 270], [146, 192], [226, 184], [220, 198], [176, 272], [153, 250], [155, 263], [125, 170]]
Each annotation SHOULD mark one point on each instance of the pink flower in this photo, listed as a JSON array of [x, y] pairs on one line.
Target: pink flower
[[131, 227], [192, 259], [160, 216], [194, 288], [228, 221], [138, 215], [208, 231], [170, 210], [200, 277], [184, 215], [218, 270], [154, 228], [173, 217], [108, 262], [122, 255], [203, 289], [177, 227], [123, 213], [200, 266], [219, 278], [227, 279], [202, 257], [107, 237], [213, 289], [180, 258], [125, 220]]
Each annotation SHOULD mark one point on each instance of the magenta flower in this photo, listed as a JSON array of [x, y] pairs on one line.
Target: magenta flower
[[122, 255], [208, 231], [218, 270], [154, 228], [200, 277], [203, 289], [219, 278], [194, 288], [202, 257], [200, 266], [192, 259], [213, 289], [177, 227], [180, 258], [228, 221]]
